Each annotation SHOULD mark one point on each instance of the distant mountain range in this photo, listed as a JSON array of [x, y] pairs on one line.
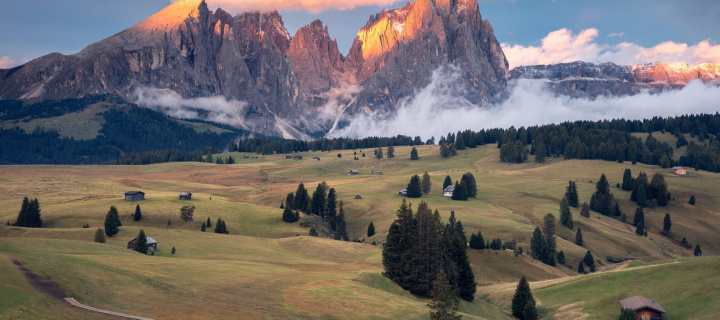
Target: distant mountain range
[[180, 60]]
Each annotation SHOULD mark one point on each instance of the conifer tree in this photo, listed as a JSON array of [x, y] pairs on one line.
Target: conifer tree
[[100, 236], [565, 214], [208, 224], [477, 241], [470, 184], [460, 192], [522, 296], [667, 224], [579, 238], [371, 230], [616, 210], [414, 154], [330, 208], [301, 199], [289, 216], [466, 278], [658, 189], [390, 152], [540, 152], [589, 261], [426, 184], [627, 183], [29, 215], [444, 304], [137, 216], [112, 222], [550, 245], [639, 217], [602, 199], [585, 211], [530, 312], [220, 227], [313, 232], [398, 246], [538, 250], [173, 248], [581, 268], [425, 254], [698, 251], [341, 233], [414, 189], [141, 244], [379, 153], [447, 182], [692, 200], [685, 244], [561, 258], [203, 228], [640, 230], [572, 195], [318, 200]]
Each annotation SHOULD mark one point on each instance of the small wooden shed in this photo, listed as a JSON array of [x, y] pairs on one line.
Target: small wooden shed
[[151, 243], [134, 195], [358, 197], [680, 170], [185, 196], [645, 309], [353, 172], [379, 173]]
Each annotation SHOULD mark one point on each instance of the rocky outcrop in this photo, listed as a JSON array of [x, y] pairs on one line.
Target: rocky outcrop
[[318, 63], [583, 79]]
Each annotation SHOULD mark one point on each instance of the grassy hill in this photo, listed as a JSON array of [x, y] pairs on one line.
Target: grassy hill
[[266, 268]]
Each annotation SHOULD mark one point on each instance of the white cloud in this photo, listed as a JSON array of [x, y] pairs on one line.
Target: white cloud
[[562, 46], [435, 110], [216, 109], [7, 62], [619, 34], [309, 5]]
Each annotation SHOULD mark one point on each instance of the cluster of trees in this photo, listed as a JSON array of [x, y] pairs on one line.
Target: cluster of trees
[[447, 150], [418, 187], [466, 188], [29, 215], [588, 261], [206, 225], [647, 194], [602, 200], [270, 146], [478, 242], [141, 243], [542, 244], [419, 248], [323, 203], [220, 227]]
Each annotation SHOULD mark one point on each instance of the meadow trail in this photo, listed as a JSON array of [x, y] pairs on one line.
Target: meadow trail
[[74, 302]]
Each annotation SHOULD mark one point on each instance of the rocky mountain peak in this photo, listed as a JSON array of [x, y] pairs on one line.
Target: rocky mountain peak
[[172, 16]]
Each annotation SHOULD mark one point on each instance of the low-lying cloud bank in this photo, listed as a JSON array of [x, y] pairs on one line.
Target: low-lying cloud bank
[[309, 5], [435, 110], [562, 46], [217, 109]]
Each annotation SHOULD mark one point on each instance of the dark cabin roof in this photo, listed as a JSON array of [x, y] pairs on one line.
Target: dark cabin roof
[[640, 302], [131, 193], [185, 193], [149, 241], [449, 188]]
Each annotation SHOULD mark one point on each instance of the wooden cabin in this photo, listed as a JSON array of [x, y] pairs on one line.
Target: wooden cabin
[[645, 309], [379, 173], [680, 170], [403, 192], [358, 197], [134, 195], [448, 191], [151, 243], [353, 172], [288, 156], [185, 196], [297, 158]]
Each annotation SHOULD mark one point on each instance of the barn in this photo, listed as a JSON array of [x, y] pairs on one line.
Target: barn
[[185, 196], [134, 195], [645, 309], [151, 243]]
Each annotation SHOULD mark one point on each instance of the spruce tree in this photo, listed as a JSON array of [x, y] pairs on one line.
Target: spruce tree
[[22, 219], [447, 182], [444, 304], [658, 189], [331, 208], [627, 183], [137, 216], [550, 245], [466, 278], [692, 200], [112, 222], [379, 153], [617, 212], [470, 184], [685, 244], [371, 230], [301, 199], [565, 214], [530, 312], [585, 211], [640, 230], [208, 224], [173, 248], [589, 261], [318, 200], [698, 251], [220, 227], [141, 244], [477, 241], [390, 152], [341, 233], [579, 238], [460, 192], [581, 268], [398, 246], [414, 189], [29, 215], [538, 250], [100, 236], [602, 199], [414, 154], [667, 224], [522, 296], [572, 195], [561, 258], [639, 217], [203, 228], [426, 184]]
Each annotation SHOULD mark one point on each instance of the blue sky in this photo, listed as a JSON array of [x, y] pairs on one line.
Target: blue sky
[[31, 28]]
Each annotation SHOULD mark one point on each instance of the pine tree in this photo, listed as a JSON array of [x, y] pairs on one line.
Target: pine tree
[[100, 236], [300, 200], [538, 250], [667, 224], [685, 244], [585, 211], [581, 268], [589, 261], [398, 246], [318, 200], [530, 312], [579, 238], [137, 216], [522, 296], [627, 183], [639, 217], [640, 230], [550, 245], [414, 189], [141, 244], [561, 258], [371, 230], [692, 200], [220, 227], [173, 248], [602, 199], [379, 153], [470, 184], [112, 222], [627, 314], [447, 182], [330, 209], [29, 215], [658, 189], [390, 152], [444, 304], [341, 233], [565, 214], [640, 192], [466, 278], [698, 251], [289, 216], [414, 154], [616, 210], [572, 195], [477, 241], [426, 184], [313, 232], [460, 192], [208, 224], [203, 228]]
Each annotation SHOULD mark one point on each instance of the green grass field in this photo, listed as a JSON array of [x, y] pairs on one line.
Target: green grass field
[[266, 268]]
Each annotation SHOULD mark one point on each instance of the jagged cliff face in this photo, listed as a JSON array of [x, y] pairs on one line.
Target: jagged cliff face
[[288, 86], [583, 79]]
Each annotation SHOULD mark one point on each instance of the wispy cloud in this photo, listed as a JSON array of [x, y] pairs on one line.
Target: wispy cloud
[[435, 110], [619, 34], [564, 46], [7, 62], [309, 5]]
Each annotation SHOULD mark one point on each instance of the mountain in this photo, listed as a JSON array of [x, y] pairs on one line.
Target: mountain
[[276, 85], [584, 79]]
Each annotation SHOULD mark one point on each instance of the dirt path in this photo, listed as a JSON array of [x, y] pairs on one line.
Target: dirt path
[[74, 302]]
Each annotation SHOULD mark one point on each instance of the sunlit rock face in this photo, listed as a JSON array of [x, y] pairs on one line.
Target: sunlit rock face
[[583, 79]]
